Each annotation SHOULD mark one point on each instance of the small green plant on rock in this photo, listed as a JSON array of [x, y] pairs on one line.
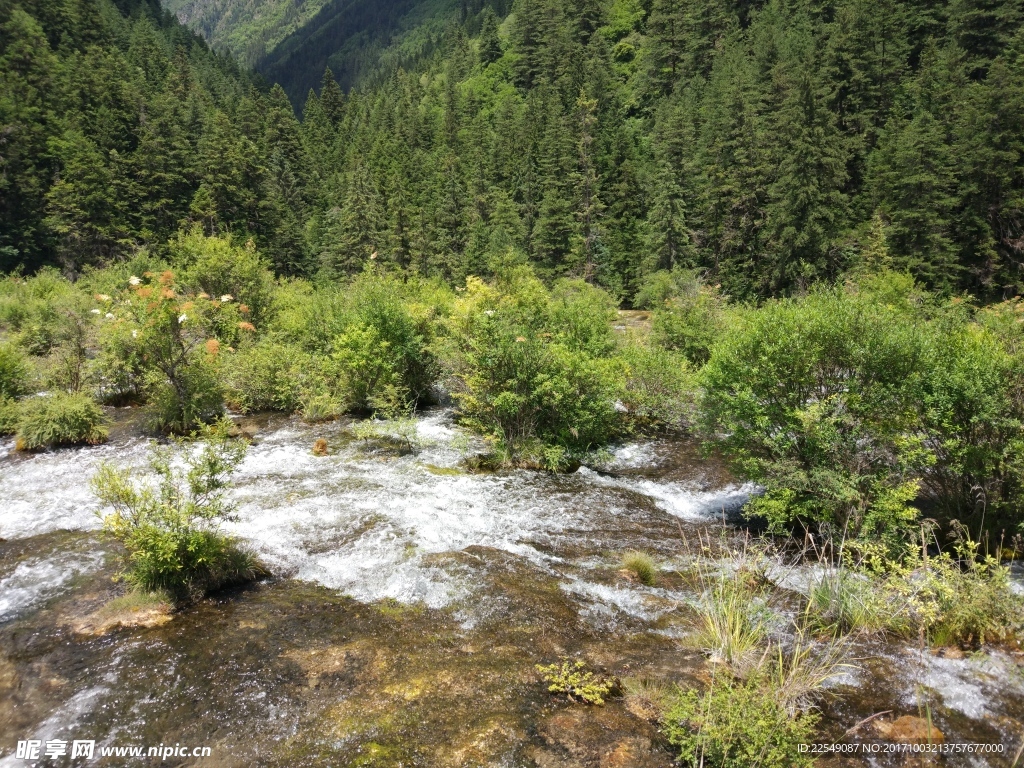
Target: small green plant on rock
[[641, 565], [575, 680], [170, 528]]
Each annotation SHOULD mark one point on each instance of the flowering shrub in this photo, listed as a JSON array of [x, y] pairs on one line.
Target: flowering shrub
[[167, 343]]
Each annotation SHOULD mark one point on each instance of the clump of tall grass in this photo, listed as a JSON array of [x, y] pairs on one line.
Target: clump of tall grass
[[734, 611], [844, 602], [647, 699], [641, 565], [956, 597]]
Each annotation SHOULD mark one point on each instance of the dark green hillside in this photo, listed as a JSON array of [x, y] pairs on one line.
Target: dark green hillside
[[771, 144], [247, 29], [119, 126], [346, 35], [767, 144]]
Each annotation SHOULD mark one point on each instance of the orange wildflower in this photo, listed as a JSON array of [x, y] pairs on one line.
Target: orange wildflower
[[246, 326], [212, 347]]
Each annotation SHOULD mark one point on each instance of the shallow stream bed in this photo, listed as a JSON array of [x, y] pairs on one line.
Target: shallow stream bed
[[410, 603]]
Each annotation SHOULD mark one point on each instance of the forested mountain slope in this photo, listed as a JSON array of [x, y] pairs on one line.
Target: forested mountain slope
[[350, 37], [769, 144], [246, 28], [118, 126]]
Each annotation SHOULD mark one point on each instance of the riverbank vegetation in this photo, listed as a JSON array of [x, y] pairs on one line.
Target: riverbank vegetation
[[862, 407]]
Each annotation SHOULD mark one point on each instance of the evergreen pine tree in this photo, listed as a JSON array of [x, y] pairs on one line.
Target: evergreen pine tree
[[490, 43]]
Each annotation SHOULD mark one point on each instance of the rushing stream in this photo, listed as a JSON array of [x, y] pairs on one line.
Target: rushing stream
[[409, 604]]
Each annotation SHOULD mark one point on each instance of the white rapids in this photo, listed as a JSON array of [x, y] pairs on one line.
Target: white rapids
[[367, 524]]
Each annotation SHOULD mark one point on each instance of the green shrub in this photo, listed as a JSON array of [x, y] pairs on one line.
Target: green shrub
[[14, 372], [819, 399], [575, 680], [541, 400], [956, 597], [171, 341], [974, 413], [580, 317], [369, 370], [29, 308], [737, 724], [688, 315], [189, 396], [217, 267], [659, 390], [264, 376], [170, 530], [10, 412], [59, 419], [378, 332]]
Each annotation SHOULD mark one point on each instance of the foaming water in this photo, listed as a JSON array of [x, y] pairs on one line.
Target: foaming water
[[36, 580], [49, 491], [366, 522], [369, 525]]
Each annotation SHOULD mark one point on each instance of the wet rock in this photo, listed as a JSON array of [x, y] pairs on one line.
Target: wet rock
[[631, 752], [909, 730], [484, 746], [122, 612], [606, 737]]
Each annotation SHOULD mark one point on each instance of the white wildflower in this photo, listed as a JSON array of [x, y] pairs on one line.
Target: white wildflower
[[135, 334], [94, 311], [489, 312], [109, 316], [133, 280], [227, 297], [182, 318]]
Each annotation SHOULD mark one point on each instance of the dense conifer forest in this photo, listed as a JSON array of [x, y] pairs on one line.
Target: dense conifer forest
[[767, 144]]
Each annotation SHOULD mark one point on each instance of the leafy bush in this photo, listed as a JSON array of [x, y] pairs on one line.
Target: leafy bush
[[171, 341], [541, 399], [10, 412], [59, 419], [819, 400], [688, 316], [217, 267], [14, 372], [975, 416], [581, 315], [740, 724], [30, 308], [575, 680], [170, 530], [659, 391], [264, 376]]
